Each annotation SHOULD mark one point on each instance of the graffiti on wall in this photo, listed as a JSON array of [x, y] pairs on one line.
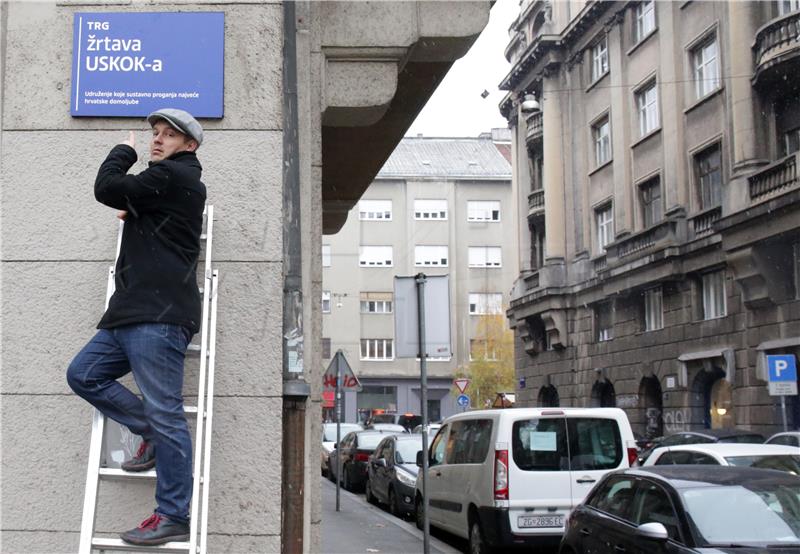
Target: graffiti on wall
[[675, 420]]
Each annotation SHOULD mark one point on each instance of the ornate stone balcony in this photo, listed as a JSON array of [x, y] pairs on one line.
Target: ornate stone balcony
[[777, 49], [536, 203], [535, 127], [670, 232], [773, 180], [703, 223]]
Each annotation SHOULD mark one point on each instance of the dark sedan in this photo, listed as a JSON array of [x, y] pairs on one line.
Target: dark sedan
[[354, 451], [688, 509], [392, 473], [703, 436]]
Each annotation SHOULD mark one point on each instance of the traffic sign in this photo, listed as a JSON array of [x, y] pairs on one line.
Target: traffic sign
[[463, 400], [461, 384], [782, 375], [340, 366]]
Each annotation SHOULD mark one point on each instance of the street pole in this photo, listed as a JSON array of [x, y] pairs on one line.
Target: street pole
[[783, 411], [338, 422], [420, 280]]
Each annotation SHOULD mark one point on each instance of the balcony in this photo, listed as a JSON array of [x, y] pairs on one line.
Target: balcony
[[773, 180], [777, 50], [703, 223], [536, 203], [535, 127], [669, 232]]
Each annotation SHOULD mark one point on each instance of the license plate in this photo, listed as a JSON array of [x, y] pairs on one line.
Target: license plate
[[540, 521]]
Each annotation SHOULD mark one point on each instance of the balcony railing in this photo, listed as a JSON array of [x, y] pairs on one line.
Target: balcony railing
[[775, 40], [776, 178], [666, 233], [536, 202], [703, 223], [535, 126]]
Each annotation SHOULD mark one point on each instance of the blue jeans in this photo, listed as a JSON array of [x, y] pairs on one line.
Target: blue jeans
[[154, 352]]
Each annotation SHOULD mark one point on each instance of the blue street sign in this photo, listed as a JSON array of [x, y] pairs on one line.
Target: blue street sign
[[782, 372], [463, 400], [131, 64]]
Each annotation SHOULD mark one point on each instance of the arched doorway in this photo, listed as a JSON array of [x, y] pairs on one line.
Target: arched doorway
[[603, 395], [702, 401], [651, 403], [721, 405], [548, 397]]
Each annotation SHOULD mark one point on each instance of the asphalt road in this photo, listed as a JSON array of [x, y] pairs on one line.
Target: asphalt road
[[360, 527]]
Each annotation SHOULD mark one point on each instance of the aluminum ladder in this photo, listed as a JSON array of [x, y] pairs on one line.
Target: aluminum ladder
[[203, 411]]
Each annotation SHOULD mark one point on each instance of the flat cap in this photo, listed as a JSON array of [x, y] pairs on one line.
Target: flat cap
[[179, 120]]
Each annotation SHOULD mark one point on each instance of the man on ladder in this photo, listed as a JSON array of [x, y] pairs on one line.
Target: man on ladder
[[154, 312]]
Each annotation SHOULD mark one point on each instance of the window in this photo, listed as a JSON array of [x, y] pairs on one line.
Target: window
[[377, 349], [481, 349], [650, 194], [594, 443], [376, 397], [375, 256], [538, 254], [430, 209], [326, 302], [601, 134], [796, 257], [485, 256], [605, 227], [705, 67], [600, 59], [647, 108], [437, 449], [469, 441], [644, 20], [653, 505], [326, 255], [791, 141], [430, 255], [540, 444], [713, 285], [326, 348], [615, 497], [604, 321], [376, 302], [481, 303], [375, 210], [786, 6], [483, 210], [653, 310], [708, 169]]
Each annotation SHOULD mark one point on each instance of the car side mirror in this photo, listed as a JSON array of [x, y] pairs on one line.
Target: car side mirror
[[653, 530], [381, 462], [420, 459]]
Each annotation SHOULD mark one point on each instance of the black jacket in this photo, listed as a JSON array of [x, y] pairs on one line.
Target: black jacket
[[156, 270]]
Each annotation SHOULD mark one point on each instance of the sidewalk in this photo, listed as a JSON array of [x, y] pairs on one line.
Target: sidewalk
[[362, 528]]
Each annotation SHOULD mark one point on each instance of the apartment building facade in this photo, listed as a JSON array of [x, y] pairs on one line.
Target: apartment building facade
[[438, 206], [658, 201]]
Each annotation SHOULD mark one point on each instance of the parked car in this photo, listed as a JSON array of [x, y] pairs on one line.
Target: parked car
[[789, 438], [392, 473], [329, 440], [433, 428], [508, 477], [408, 421], [354, 451], [387, 427], [688, 509], [765, 456], [704, 436]]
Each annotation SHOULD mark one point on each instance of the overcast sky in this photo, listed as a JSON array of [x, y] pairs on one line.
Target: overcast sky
[[456, 109]]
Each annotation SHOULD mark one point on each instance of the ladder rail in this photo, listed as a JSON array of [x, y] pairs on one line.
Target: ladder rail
[[209, 414]]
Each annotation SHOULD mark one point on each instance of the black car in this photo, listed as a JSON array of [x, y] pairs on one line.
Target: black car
[[354, 451], [704, 436], [686, 509], [392, 473]]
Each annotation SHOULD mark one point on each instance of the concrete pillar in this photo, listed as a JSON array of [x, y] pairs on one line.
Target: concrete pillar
[[743, 20], [521, 187], [553, 174]]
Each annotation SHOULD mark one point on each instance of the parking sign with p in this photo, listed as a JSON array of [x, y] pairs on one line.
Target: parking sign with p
[[782, 375]]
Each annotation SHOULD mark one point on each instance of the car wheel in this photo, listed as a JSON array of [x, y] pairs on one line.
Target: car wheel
[[477, 544], [393, 508], [419, 516], [368, 493]]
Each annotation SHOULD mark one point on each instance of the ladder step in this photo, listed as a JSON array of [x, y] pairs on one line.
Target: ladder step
[[121, 474], [119, 544], [193, 348]]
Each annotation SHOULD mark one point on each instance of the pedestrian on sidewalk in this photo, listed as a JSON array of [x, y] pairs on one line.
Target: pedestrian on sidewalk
[[153, 314]]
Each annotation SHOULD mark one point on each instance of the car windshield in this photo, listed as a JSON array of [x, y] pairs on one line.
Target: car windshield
[[369, 441], [329, 431], [762, 514], [782, 462], [407, 451], [755, 439]]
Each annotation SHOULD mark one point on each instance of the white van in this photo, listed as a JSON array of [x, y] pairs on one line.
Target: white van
[[509, 477]]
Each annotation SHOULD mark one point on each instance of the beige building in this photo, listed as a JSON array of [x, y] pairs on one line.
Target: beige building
[[316, 97], [659, 201], [438, 206]]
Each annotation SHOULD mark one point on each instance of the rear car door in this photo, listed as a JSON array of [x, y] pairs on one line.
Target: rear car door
[[433, 484], [595, 448]]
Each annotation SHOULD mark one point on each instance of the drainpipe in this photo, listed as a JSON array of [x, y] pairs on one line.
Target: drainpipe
[[295, 388]]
